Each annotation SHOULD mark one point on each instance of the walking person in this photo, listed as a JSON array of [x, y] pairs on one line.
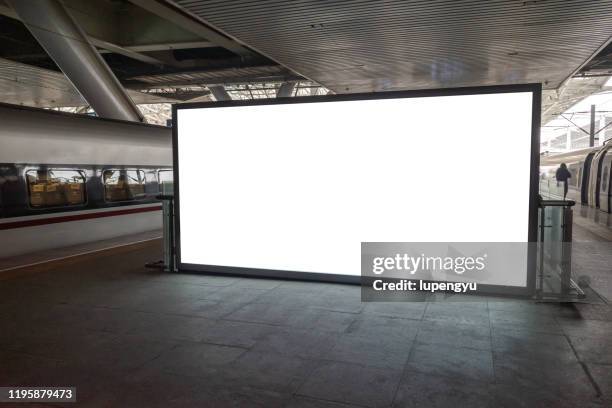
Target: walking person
[[563, 175]]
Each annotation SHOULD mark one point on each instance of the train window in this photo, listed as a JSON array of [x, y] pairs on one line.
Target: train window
[[574, 177], [55, 187], [124, 185], [604, 182], [166, 185]]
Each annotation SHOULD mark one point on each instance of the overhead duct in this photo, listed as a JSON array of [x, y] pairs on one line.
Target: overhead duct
[[68, 46]]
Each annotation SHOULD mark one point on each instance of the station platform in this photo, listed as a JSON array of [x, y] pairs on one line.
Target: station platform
[[125, 335], [34, 258], [592, 251], [591, 224]]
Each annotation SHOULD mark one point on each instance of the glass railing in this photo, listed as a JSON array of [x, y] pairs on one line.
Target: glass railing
[[554, 275], [169, 264]]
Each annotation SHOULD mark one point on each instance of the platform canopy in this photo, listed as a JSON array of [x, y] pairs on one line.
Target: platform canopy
[[370, 46]]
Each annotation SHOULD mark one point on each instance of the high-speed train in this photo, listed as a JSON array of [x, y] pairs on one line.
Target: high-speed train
[[69, 179], [590, 183]]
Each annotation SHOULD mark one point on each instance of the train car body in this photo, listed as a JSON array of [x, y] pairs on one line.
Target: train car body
[[590, 183], [70, 179], [597, 195], [605, 186]]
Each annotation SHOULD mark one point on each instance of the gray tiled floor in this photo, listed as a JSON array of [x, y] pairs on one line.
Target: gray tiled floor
[[126, 336]]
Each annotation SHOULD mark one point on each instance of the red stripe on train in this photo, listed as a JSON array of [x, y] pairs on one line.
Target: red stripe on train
[[76, 217]]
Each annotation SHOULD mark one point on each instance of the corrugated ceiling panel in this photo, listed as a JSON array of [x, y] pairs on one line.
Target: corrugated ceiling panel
[[32, 86], [260, 73], [23, 84], [365, 45]]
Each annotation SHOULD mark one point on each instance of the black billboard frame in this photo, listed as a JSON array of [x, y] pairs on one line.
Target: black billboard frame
[[534, 88]]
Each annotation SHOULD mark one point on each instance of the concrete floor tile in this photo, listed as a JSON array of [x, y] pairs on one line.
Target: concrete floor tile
[[584, 311], [515, 396], [352, 384], [459, 300], [20, 369], [256, 283], [289, 296], [522, 305], [299, 317], [159, 389], [170, 327], [321, 320], [442, 360], [418, 390], [209, 309], [383, 352], [193, 359], [57, 343], [269, 313], [238, 334], [445, 312], [586, 328], [593, 349], [177, 291], [305, 402], [530, 344], [454, 335], [248, 398], [197, 279], [128, 336], [524, 320], [125, 352], [602, 375], [375, 327], [566, 379], [95, 318], [402, 310], [236, 294], [268, 371], [297, 342]]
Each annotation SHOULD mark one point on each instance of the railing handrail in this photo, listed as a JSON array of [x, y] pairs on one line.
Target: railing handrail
[[557, 203]]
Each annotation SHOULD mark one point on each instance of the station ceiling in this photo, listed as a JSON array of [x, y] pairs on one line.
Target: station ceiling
[[149, 45], [172, 50], [372, 46]]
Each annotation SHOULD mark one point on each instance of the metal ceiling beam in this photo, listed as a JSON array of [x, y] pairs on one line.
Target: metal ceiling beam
[[169, 46], [131, 52], [125, 51], [190, 23], [66, 43]]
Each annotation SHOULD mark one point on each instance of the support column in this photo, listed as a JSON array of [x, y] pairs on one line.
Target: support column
[[285, 90], [219, 93], [69, 47]]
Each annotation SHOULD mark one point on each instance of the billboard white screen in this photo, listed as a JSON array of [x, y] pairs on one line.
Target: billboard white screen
[[298, 186]]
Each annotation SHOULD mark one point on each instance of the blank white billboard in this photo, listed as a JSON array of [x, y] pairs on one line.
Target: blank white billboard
[[298, 186]]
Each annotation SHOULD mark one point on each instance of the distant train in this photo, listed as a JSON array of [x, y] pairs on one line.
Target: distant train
[[590, 183], [67, 179]]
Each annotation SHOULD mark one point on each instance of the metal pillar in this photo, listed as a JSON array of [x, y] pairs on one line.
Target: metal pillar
[[69, 47], [592, 131], [219, 93], [285, 90]]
